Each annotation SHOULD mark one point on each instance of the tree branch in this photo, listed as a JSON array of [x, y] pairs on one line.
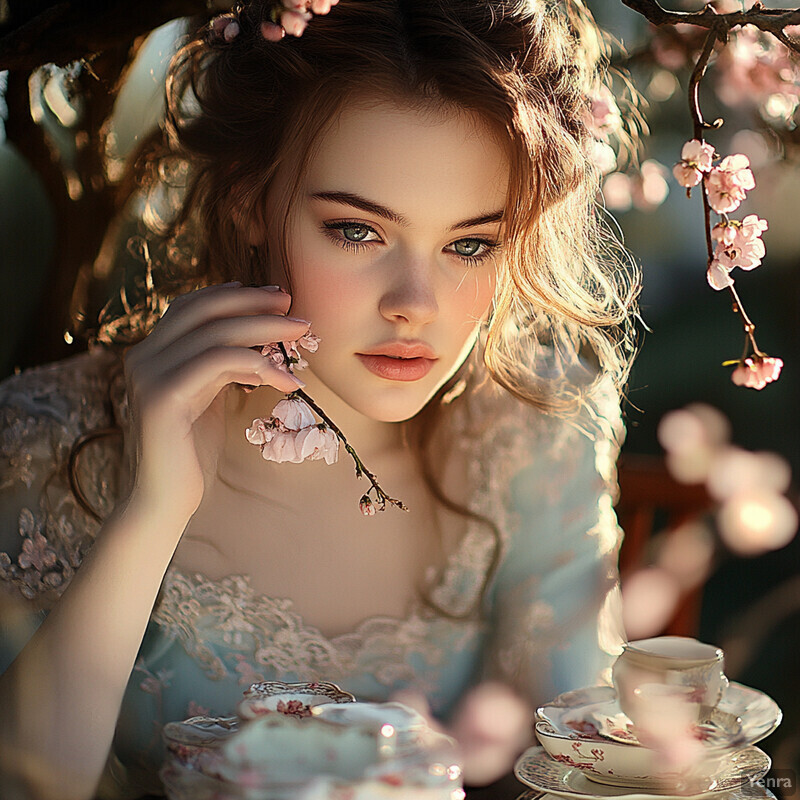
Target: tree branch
[[771, 20]]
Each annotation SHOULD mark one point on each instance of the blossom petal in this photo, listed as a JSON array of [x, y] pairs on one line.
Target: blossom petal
[[718, 277]]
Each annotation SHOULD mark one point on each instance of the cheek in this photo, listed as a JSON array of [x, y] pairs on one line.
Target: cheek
[[472, 299], [323, 288]]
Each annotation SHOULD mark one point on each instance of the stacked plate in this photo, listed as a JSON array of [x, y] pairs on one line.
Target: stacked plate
[[591, 750], [309, 741]]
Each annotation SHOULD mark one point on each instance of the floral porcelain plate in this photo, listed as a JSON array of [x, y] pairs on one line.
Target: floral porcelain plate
[[294, 699], [536, 769], [743, 717], [750, 792]]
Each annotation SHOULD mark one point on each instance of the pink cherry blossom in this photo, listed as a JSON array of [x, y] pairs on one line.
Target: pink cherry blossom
[[696, 158], [739, 243], [273, 352], [757, 371], [258, 433], [727, 184], [746, 255], [294, 413], [311, 443], [718, 276], [295, 22], [225, 27], [272, 32], [315, 443], [602, 115]]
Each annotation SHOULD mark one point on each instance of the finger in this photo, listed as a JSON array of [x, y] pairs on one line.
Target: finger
[[244, 332], [193, 386], [191, 311], [321, 6]]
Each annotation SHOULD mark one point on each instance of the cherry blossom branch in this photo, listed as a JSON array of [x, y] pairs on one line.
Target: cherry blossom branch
[[771, 20], [381, 497], [700, 126], [738, 241]]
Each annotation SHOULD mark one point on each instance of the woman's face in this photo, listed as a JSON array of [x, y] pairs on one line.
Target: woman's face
[[394, 243]]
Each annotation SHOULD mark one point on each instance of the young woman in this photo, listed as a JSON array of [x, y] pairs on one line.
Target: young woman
[[414, 178]]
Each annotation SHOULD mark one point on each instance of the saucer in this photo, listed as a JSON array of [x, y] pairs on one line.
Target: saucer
[[743, 717], [536, 769], [754, 792]]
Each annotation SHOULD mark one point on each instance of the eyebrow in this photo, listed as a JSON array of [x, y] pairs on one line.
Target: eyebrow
[[371, 207]]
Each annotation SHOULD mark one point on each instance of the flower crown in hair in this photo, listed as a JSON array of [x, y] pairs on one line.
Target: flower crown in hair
[[285, 16]]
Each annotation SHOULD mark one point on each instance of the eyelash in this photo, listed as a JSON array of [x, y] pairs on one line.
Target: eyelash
[[328, 228]]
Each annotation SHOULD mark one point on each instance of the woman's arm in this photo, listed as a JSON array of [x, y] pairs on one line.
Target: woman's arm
[[60, 698]]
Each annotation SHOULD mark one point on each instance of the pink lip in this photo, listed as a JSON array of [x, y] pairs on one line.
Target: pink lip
[[399, 361]]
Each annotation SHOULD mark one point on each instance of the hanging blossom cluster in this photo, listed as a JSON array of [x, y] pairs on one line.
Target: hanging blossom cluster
[[738, 242], [292, 433]]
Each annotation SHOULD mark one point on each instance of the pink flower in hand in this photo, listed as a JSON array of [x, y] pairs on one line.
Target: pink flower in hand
[[757, 371], [294, 413], [259, 432], [696, 158], [315, 443], [727, 184]]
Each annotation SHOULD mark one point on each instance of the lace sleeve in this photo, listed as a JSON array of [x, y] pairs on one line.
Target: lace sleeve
[[556, 618], [44, 532]]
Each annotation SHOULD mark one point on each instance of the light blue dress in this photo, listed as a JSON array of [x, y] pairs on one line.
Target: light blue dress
[[551, 617]]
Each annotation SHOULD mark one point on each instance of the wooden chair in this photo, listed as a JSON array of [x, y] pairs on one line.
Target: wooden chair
[[651, 500]]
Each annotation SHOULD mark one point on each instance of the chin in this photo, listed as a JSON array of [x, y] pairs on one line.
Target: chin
[[390, 411]]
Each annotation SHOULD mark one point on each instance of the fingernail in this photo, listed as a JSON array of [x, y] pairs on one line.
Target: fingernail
[[297, 380], [232, 283], [271, 288], [297, 319]]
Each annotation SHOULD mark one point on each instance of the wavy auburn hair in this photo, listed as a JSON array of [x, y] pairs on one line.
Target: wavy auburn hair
[[239, 111]]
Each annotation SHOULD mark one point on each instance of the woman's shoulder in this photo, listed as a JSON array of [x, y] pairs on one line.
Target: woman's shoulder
[[496, 417], [44, 411]]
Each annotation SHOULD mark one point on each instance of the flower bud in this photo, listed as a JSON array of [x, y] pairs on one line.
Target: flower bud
[[366, 506]]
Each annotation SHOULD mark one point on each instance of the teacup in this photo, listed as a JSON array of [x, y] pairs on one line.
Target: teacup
[[693, 670]]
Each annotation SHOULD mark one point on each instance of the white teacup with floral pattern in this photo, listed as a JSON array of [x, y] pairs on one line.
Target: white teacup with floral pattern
[[693, 669]]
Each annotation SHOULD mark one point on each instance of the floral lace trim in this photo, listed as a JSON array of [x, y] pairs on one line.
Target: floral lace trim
[[42, 413], [225, 620]]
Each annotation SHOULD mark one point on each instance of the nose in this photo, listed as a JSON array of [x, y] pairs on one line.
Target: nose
[[411, 296]]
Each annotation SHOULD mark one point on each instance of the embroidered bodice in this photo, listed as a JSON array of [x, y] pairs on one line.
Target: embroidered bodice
[[550, 618]]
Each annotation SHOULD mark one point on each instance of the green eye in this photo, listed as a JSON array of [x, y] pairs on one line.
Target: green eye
[[467, 247], [355, 233]]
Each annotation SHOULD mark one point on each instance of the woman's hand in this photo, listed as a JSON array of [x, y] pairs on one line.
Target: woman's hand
[[174, 382]]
